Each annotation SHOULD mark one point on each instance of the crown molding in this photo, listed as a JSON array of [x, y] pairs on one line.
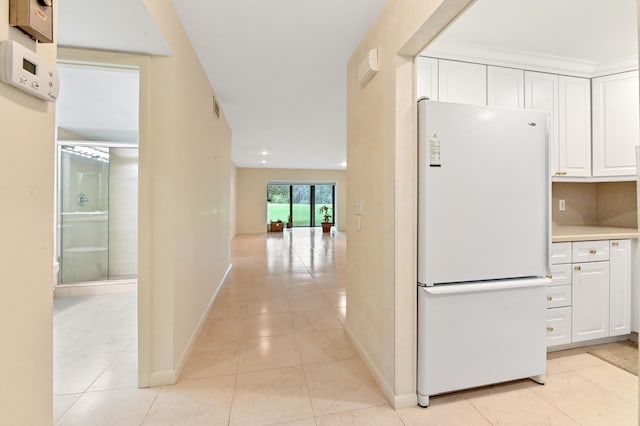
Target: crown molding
[[532, 61]]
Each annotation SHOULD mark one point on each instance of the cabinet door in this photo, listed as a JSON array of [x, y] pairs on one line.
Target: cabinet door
[[620, 287], [590, 301], [574, 126], [505, 87], [462, 82], [427, 78], [541, 93], [615, 124]]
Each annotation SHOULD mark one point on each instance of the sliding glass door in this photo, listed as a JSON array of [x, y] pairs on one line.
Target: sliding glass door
[[300, 202], [301, 205]]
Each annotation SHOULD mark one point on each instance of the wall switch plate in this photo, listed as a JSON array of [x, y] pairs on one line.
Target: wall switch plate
[[34, 17], [357, 208], [562, 206]]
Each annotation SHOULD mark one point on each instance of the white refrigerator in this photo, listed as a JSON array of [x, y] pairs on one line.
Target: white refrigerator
[[484, 240]]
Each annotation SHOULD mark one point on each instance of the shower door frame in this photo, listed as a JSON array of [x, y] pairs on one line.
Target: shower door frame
[[58, 209]]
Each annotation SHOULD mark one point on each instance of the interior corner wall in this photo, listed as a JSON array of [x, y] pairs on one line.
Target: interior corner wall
[[381, 153], [233, 213], [27, 129], [252, 194], [188, 172]]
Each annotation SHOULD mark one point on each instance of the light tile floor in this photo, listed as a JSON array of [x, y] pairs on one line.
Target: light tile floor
[[273, 351]]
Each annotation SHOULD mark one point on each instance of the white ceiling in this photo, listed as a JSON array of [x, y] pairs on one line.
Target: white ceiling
[[583, 30], [279, 67], [121, 25]]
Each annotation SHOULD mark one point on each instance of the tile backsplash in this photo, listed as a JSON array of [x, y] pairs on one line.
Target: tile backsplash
[[604, 203]]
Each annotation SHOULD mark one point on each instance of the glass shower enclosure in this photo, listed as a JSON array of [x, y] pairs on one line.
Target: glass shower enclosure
[[98, 211]]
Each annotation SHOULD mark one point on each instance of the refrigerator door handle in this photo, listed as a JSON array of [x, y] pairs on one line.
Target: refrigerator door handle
[[482, 286]]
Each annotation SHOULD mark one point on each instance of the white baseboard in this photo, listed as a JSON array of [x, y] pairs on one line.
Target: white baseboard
[[162, 378], [588, 343], [194, 336], [377, 375]]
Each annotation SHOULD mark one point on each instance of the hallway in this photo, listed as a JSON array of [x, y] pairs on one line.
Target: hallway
[[273, 351]]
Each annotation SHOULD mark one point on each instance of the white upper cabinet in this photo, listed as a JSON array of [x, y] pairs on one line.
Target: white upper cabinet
[[462, 82], [615, 124], [541, 94], [574, 126], [505, 87], [427, 78]]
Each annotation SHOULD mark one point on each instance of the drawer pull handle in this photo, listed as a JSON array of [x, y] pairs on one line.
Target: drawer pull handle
[[549, 329], [592, 251], [550, 276], [615, 244], [578, 268], [549, 298]]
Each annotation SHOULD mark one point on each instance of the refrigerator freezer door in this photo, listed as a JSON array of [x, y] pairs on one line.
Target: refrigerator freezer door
[[476, 334], [484, 193]]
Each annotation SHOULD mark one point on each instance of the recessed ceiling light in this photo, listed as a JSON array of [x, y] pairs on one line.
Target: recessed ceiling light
[[264, 153], [343, 164], [263, 162]]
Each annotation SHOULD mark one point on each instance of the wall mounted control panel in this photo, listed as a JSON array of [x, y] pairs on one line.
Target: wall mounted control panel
[[28, 71]]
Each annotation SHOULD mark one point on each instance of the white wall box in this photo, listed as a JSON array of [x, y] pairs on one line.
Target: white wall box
[[615, 124], [462, 82], [590, 307], [620, 288], [427, 77], [505, 87], [574, 126]]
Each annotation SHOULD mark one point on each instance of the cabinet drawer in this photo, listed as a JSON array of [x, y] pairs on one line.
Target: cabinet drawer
[[560, 253], [590, 251], [561, 274], [558, 326], [558, 296]]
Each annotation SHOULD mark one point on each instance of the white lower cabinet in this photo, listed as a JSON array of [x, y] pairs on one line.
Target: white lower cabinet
[[558, 326], [590, 313], [590, 294], [620, 287]]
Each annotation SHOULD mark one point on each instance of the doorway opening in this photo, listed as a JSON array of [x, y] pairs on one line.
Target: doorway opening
[[95, 309], [97, 119], [299, 203]]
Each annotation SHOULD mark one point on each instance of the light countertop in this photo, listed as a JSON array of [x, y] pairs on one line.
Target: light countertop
[[563, 233]]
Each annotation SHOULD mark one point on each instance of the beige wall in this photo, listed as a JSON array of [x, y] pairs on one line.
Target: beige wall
[[184, 198], [604, 203], [381, 153], [27, 137], [233, 203], [252, 194], [188, 159]]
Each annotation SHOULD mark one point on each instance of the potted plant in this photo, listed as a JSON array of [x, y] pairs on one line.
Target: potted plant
[[289, 223], [326, 218]]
